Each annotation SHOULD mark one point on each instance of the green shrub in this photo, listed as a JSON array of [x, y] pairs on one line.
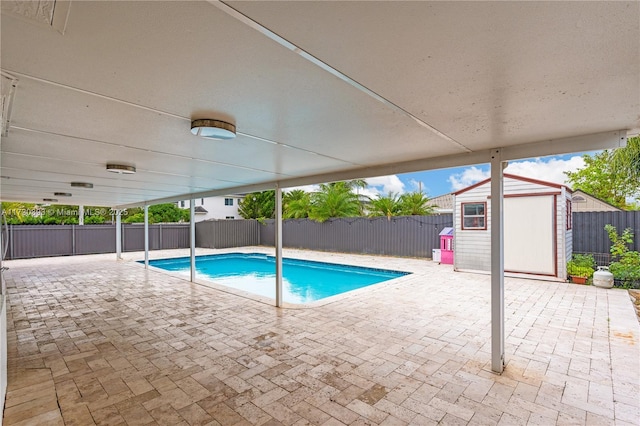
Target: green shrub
[[581, 265], [626, 267]]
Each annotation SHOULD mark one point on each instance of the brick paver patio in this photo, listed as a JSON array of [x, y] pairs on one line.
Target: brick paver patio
[[95, 341]]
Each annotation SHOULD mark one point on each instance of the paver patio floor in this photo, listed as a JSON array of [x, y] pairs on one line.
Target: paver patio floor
[[95, 341]]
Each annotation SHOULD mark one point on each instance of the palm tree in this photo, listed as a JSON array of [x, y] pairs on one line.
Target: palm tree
[[627, 159], [415, 204], [385, 206], [258, 205], [296, 204], [334, 200]]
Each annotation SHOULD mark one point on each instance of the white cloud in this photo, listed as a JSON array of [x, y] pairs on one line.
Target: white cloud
[[467, 178], [549, 170], [376, 186], [306, 188], [382, 185]]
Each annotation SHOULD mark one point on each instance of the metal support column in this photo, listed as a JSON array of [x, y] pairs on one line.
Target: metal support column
[[146, 237], [3, 252], [278, 247], [497, 262], [118, 236], [81, 215], [192, 237]]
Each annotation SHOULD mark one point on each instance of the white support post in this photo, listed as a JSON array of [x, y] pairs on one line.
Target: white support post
[[146, 237], [497, 263], [192, 237], [3, 243], [118, 236], [80, 215], [278, 247]]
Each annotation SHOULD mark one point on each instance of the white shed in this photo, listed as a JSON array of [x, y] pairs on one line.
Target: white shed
[[537, 228]]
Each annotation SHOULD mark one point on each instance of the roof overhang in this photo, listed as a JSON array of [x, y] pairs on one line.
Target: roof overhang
[[318, 91]]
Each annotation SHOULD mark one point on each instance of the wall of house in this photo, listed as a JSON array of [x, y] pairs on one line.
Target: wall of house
[[472, 247], [587, 203], [216, 208]]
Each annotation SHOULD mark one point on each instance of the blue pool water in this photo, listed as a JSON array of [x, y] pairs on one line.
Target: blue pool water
[[303, 281]]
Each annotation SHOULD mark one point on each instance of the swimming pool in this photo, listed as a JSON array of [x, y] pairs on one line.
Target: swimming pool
[[303, 281]]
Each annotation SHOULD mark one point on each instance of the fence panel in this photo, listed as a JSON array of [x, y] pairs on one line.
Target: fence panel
[[227, 233], [161, 236], [412, 236], [589, 235], [133, 237], [93, 239], [174, 235], [27, 241]]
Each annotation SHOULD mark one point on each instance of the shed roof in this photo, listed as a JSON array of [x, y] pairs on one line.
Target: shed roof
[[516, 177]]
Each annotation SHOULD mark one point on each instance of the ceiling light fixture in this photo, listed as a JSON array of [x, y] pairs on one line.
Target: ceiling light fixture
[[81, 185], [50, 200], [213, 129], [121, 169], [62, 194]]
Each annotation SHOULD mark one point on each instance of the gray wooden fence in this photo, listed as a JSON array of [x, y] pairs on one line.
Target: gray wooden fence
[[412, 236], [227, 233], [26, 241], [589, 235]]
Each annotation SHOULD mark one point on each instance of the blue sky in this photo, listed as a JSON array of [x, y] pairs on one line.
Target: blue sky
[[438, 182], [444, 181]]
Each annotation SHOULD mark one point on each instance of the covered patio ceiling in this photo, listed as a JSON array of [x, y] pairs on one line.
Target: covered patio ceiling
[[319, 91]]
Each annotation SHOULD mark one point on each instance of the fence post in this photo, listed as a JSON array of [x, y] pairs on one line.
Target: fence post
[[257, 228], [73, 239], [11, 240], [161, 246]]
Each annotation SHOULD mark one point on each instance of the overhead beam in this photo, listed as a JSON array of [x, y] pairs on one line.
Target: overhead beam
[[582, 143], [231, 11]]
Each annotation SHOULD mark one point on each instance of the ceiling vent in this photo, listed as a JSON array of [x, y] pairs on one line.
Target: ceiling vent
[[50, 13]]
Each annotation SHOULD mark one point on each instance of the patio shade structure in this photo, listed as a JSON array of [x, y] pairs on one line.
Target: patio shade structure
[[317, 91]]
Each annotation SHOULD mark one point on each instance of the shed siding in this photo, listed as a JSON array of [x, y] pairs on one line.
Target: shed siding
[[473, 248]]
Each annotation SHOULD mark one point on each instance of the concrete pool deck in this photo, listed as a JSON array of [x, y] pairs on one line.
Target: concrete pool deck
[[95, 341]]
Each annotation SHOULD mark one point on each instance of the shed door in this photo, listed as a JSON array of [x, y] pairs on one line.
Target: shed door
[[529, 234]]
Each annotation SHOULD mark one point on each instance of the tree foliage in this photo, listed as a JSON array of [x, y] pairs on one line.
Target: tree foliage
[[388, 206], [335, 199], [603, 178], [258, 205], [626, 263], [60, 214], [415, 204], [296, 204], [158, 213], [627, 160], [18, 213]]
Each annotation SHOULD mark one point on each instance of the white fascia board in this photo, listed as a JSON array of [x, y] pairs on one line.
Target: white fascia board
[[591, 142]]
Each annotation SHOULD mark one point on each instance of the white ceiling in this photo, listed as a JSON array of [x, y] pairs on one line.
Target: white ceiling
[[318, 90]]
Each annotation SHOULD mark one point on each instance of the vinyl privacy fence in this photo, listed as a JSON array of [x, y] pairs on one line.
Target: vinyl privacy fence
[[26, 241], [589, 235], [412, 236]]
